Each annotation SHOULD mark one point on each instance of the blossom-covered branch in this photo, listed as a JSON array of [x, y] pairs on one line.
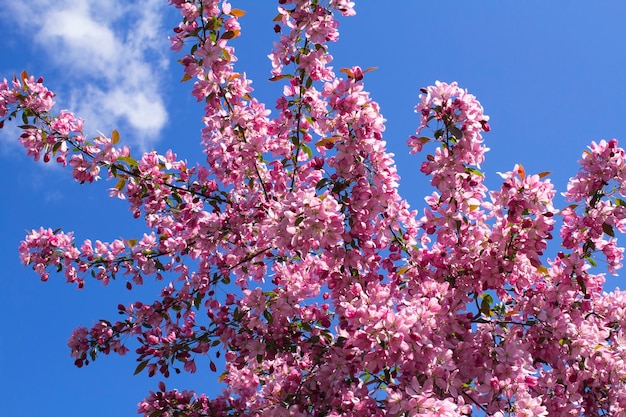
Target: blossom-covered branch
[[290, 255]]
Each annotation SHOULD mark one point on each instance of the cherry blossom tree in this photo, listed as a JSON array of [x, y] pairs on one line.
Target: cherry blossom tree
[[290, 259]]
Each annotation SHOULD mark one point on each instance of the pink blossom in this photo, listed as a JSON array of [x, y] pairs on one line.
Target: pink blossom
[[289, 254]]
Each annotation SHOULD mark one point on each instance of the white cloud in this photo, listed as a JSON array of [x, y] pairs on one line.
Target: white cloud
[[111, 53]]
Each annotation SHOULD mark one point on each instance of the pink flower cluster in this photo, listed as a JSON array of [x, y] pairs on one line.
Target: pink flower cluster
[[291, 255], [54, 137]]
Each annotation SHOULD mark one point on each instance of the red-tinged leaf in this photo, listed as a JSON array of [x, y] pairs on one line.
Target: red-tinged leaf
[[278, 18], [326, 142], [186, 77], [581, 281], [424, 140], [544, 174], [24, 76], [521, 172], [280, 77], [141, 366], [348, 72], [237, 12], [115, 137], [608, 229], [230, 34], [213, 367], [370, 69]]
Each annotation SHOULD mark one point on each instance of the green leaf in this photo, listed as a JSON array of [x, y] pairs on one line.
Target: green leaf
[[159, 265], [268, 316], [238, 314], [340, 341], [474, 171], [455, 131], [132, 162], [56, 147], [307, 150], [485, 304], [121, 184], [321, 183], [141, 366], [196, 301]]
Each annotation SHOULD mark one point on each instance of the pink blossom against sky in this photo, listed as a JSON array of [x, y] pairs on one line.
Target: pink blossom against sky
[[549, 77]]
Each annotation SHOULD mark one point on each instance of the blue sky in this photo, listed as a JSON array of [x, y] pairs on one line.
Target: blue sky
[[549, 74]]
